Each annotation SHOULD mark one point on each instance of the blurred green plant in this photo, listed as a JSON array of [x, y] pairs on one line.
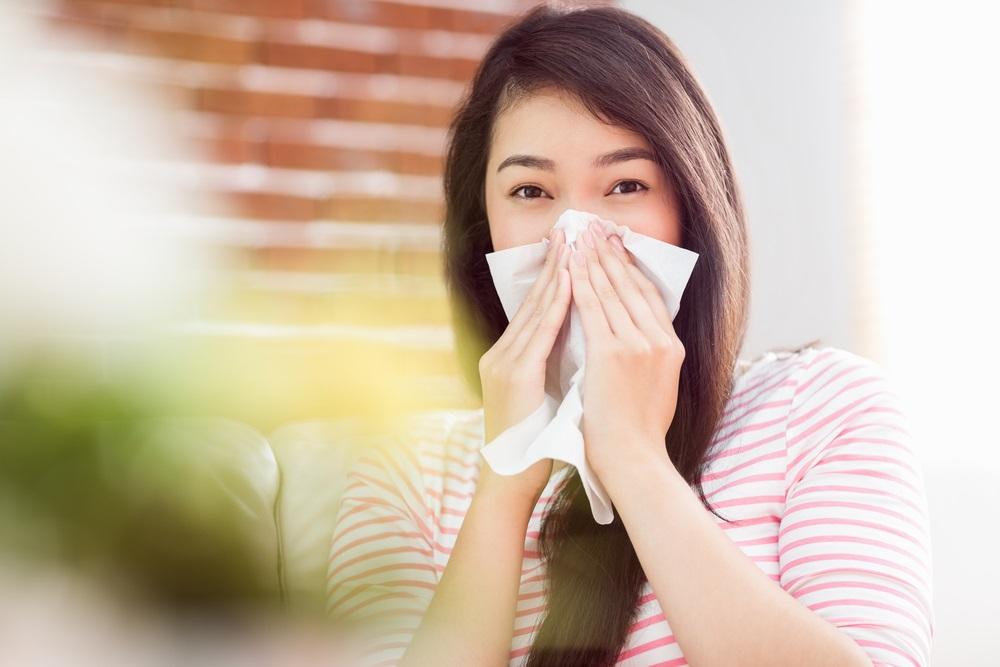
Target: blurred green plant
[[89, 483]]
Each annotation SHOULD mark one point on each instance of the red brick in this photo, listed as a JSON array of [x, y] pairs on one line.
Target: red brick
[[345, 60], [416, 163], [232, 140], [472, 21], [167, 96], [302, 155], [318, 57], [348, 11], [292, 9], [382, 209], [256, 103], [77, 10], [464, 70], [316, 157], [98, 34], [415, 65], [186, 46], [135, 3], [233, 149], [382, 111], [403, 15], [264, 206]]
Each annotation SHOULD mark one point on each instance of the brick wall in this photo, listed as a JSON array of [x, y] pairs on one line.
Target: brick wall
[[321, 125]]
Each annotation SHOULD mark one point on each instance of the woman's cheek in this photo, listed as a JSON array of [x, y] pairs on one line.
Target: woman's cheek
[[519, 230], [657, 222]]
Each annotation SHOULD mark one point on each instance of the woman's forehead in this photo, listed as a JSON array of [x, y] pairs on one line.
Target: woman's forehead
[[556, 126]]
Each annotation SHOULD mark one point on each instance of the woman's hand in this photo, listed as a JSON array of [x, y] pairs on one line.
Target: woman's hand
[[634, 356], [512, 372]]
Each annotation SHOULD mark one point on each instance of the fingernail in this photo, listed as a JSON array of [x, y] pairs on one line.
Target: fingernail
[[588, 238], [578, 257], [616, 241]]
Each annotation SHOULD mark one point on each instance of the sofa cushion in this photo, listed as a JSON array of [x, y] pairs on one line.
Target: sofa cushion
[[313, 458]]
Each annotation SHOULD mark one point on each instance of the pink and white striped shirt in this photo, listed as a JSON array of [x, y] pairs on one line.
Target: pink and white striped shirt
[[813, 459]]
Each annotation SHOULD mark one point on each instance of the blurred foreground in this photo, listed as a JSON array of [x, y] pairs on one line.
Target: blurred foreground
[[144, 516]]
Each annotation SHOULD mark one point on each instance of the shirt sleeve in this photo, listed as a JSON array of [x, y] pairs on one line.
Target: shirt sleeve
[[381, 574], [854, 540]]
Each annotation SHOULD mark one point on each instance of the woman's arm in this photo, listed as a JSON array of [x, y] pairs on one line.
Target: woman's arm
[[470, 620], [383, 582], [721, 607], [853, 540]]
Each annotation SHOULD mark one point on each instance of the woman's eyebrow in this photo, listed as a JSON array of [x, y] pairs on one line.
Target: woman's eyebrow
[[624, 155], [606, 160]]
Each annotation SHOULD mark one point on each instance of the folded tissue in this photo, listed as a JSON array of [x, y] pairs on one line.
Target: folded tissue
[[553, 429]]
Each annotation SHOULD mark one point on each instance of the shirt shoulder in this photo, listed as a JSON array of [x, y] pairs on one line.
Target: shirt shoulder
[[444, 446], [834, 391], [447, 439], [757, 407], [796, 400]]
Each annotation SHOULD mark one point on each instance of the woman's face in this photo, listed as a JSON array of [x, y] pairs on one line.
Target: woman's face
[[545, 158]]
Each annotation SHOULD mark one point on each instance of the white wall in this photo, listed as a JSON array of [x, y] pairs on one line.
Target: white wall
[[774, 70]]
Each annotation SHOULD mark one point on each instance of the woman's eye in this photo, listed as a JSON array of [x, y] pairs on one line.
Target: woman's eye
[[630, 191], [634, 187], [531, 188]]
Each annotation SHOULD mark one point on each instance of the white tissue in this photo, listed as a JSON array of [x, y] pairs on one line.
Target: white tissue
[[553, 429]]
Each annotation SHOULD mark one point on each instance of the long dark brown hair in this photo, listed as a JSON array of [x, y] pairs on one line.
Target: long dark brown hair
[[627, 72]]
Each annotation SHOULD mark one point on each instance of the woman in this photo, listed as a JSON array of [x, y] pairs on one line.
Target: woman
[[766, 513]]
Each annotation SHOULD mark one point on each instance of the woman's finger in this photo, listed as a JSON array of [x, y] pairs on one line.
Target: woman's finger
[[595, 325], [638, 306], [646, 286], [529, 306], [539, 344], [536, 310], [617, 315]]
